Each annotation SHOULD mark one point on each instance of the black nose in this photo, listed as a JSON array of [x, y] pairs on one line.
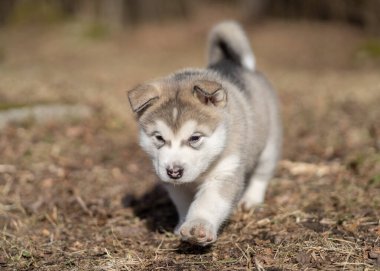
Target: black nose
[[174, 172]]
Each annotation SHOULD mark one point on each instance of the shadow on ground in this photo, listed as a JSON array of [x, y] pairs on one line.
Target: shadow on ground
[[155, 208]]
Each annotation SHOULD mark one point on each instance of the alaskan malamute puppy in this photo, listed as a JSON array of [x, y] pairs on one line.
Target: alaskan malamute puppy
[[214, 134]]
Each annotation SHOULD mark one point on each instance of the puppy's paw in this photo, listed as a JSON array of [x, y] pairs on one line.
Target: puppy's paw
[[248, 203], [198, 231]]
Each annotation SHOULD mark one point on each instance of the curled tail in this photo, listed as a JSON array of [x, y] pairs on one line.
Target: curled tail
[[227, 41]]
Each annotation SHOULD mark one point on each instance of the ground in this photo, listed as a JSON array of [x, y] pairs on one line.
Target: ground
[[81, 195]]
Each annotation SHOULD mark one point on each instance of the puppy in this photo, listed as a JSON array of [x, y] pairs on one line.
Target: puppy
[[214, 135]]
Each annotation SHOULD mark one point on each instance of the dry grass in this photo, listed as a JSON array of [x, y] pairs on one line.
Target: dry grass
[[82, 196]]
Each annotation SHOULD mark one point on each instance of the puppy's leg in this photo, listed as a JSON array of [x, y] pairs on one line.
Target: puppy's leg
[[264, 171], [182, 198], [213, 203], [209, 209]]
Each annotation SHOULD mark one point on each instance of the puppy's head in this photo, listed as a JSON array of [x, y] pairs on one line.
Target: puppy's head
[[181, 126]]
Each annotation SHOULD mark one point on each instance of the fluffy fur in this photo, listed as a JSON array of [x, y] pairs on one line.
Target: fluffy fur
[[214, 134]]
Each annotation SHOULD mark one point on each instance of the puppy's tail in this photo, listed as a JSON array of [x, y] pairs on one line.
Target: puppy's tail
[[228, 41]]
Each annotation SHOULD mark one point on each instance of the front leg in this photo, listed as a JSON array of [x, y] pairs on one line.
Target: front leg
[[212, 205], [210, 208], [181, 196]]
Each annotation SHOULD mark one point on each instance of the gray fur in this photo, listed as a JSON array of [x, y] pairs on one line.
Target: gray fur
[[227, 41], [248, 116]]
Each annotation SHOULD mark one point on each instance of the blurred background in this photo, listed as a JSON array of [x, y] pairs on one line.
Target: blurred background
[[73, 177], [122, 13], [90, 52]]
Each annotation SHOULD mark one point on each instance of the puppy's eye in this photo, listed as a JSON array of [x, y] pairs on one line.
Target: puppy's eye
[[158, 140], [195, 140]]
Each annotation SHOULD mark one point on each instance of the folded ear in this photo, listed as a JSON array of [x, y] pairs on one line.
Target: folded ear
[[210, 93], [141, 97]]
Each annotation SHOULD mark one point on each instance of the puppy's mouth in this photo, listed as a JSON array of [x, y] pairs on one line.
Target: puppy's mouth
[[176, 182]]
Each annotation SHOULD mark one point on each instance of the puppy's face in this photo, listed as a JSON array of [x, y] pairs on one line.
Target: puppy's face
[[182, 130], [180, 156]]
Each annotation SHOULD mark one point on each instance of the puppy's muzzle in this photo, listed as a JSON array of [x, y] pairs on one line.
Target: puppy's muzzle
[[175, 172]]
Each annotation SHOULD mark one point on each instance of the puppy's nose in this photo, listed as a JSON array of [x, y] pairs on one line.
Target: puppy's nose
[[174, 172]]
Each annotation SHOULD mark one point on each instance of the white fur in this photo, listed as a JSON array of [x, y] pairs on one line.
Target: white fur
[[214, 167], [175, 113], [194, 161], [255, 192], [249, 62], [226, 167], [182, 198], [209, 204], [164, 130], [230, 33], [146, 144]]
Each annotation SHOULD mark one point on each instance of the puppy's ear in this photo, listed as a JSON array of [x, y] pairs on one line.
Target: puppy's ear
[[141, 97], [210, 93]]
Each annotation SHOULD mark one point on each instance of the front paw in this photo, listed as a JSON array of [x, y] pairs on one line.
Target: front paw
[[198, 231]]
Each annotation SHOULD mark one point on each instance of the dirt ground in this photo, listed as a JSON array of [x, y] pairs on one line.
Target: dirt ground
[[81, 195]]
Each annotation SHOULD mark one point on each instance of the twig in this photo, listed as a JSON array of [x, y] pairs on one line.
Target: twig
[[83, 205], [259, 266]]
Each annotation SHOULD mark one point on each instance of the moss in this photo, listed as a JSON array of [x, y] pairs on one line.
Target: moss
[[7, 106], [96, 31], [370, 49]]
